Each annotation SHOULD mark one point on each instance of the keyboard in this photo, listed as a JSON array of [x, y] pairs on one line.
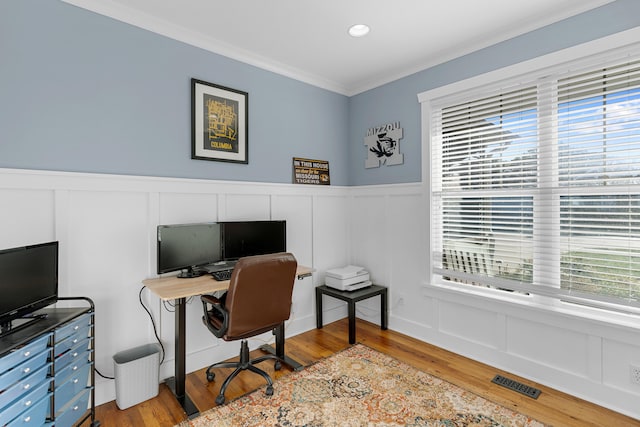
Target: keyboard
[[222, 275]]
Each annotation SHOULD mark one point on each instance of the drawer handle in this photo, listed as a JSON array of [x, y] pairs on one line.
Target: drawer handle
[[75, 328], [75, 408], [26, 370], [27, 403], [75, 368], [75, 341], [26, 354], [26, 386], [75, 354], [27, 419], [75, 381]]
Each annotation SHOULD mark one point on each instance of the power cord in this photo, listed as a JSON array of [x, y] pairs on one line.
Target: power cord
[[153, 323], [171, 307], [155, 332], [102, 375]]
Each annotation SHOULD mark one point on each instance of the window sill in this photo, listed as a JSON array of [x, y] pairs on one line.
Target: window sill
[[536, 308]]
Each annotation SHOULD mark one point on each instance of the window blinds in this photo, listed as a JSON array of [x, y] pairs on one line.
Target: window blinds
[[536, 189]]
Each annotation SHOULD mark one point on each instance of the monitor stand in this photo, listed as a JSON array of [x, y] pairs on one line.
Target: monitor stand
[[221, 265], [191, 272], [19, 323]]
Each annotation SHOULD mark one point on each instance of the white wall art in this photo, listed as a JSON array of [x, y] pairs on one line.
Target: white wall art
[[383, 145]]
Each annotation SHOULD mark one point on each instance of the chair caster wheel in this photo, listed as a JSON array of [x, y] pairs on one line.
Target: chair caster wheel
[[210, 376], [220, 399], [277, 366], [269, 391]]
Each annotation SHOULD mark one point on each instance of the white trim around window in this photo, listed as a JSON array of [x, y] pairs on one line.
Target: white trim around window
[[493, 91]]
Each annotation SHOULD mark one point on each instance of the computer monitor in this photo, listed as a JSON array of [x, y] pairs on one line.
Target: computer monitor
[[246, 238], [28, 282], [188, 247]]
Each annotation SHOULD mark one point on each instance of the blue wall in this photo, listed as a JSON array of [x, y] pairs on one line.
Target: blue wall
[[83, 92], [398, 101]]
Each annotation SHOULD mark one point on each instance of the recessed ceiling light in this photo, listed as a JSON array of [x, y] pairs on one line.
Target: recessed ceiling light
[[359, 30]]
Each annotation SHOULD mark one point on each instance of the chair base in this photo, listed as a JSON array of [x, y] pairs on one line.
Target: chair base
[[244, 363]]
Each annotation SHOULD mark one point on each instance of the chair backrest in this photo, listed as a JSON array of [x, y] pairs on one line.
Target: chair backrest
[[259, 295]]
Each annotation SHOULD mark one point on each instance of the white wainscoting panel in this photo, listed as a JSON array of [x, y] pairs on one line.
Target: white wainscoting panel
[[470, 324], [106, 244], [246, 207], [184, 208], [407, 252], [387, 228], [617, 357], [106, 225], [370, 236], [331, 244], [553, 346], [26, 217], [297, 211]]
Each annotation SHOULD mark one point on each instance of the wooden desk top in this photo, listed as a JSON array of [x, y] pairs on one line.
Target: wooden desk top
[[171, 287]]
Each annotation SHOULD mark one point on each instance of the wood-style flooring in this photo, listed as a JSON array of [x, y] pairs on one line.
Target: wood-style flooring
[[552, 407]]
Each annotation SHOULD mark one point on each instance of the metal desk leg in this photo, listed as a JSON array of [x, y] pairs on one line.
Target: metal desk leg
[[318, 308], [279, 350], [351, 309], [177, 383], [383, 307]]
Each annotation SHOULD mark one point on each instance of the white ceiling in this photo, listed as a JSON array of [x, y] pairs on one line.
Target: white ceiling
[[307, 39]]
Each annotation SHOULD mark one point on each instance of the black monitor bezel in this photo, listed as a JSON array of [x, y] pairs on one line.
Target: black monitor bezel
[[27, 308], [238, 254], [191, 269]]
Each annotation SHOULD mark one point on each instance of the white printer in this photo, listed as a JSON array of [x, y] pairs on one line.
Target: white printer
[[348, 278]]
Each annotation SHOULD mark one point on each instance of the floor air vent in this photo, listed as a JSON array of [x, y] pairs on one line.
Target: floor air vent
[[516, 386]]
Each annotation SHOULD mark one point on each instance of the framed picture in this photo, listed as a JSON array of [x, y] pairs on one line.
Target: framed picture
[[219, 123]]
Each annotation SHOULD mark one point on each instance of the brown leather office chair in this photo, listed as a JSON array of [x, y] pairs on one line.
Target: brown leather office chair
[[258, 300]]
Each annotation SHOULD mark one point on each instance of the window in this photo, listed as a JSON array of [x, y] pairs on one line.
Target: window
[[535, 189]]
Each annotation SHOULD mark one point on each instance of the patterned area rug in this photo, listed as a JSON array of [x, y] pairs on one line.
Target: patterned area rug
[[361, 387]]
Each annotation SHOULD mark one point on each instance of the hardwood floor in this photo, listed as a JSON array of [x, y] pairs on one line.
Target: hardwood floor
[[552, 407]]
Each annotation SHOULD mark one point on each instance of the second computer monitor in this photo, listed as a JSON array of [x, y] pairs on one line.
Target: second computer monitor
[[246, 238], [188, 247]]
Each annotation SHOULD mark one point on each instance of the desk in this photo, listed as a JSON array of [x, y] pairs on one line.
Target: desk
[[351, 297], [173, 288]]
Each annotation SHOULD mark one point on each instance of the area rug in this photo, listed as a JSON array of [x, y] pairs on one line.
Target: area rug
[[361, 387]]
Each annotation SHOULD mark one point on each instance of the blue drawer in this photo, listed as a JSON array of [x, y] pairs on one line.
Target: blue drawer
[[71, 386], [71, 341], [26, 403], [81, 322], [24, 369], [26, 352], [23, 386], [35, 416], [79, 352], [64, 374], [74, 410]]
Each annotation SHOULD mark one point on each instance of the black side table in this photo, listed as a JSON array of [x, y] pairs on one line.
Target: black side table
[[351, 298]]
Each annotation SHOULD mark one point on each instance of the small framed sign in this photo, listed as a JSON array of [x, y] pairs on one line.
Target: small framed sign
[[308, 171], [219, 123]]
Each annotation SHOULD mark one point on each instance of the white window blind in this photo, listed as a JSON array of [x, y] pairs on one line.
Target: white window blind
[[536, 188]]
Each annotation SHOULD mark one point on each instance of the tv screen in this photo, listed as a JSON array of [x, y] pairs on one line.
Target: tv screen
[[246, 238], [187, 247], [28, 280]]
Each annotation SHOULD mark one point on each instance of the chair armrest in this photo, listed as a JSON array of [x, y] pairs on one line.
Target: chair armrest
[[210, 299], [216, 309]]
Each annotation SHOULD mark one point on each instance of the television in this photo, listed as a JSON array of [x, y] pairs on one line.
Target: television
[[188, 248], [246, 238], [28, 282]]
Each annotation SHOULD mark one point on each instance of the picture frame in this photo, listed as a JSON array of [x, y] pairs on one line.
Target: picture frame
[[219, 123]]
